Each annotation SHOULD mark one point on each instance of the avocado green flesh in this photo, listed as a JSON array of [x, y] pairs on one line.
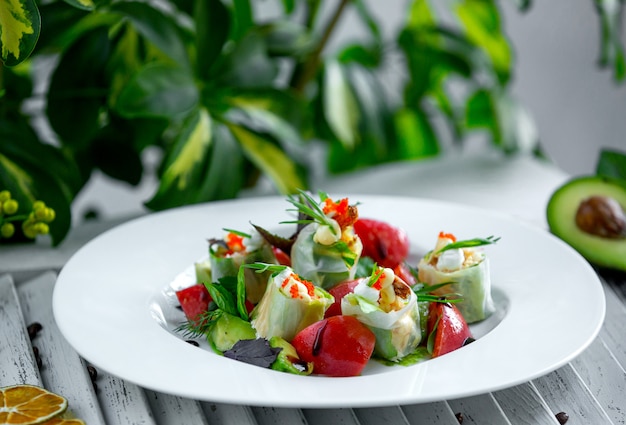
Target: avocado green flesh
[[561, 216]]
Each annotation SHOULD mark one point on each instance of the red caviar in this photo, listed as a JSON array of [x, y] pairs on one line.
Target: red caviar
[[340, 212], [234, 242], [293, 290], [447, 236]]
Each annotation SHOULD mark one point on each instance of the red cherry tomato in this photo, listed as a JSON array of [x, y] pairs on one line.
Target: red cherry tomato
[[282, 257], [194, 301], [386, 244], [403, 272], [337, 346], [452, 331], [339, 291]]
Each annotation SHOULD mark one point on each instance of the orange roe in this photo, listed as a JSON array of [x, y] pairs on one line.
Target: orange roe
[[234, 243], [340, 212], [293, 290], [447, 236]]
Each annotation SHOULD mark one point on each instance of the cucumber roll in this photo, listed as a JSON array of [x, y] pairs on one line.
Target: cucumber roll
[[227, 255], [465, 267], [326, 250], [289, 304], [388, 306]]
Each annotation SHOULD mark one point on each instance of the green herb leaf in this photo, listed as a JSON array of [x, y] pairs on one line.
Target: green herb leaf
[[469, 243], [263, 267], [241, 294], [222, 297]]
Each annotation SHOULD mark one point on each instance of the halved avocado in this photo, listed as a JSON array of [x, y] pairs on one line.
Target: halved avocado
[[589, 214]]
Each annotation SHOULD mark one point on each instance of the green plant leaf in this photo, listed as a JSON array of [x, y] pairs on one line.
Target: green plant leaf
[[511, 127], [612, 163], [21, 155], [158, 91], [248, 65], [612, 48], [270, 159], [481, 20], [368, 19], [20, 24], [243, 18], [157, 27], [263, 121], [289, 6], [82, 4], [340, 107], [286, 38], [184, 164], [416, 137], [113, 152], [212, 22], [204, 164], [78, 89]]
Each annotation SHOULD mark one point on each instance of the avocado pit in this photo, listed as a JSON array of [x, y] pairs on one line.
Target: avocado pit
[[601, 216]]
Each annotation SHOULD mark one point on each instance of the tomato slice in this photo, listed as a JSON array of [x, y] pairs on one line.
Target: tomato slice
[[337, 346], [194, 301], [451, 329], [387, 245], [338, 292]]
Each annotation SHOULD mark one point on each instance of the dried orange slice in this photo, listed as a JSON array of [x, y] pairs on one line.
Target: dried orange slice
[[28, 405], [61, 421]]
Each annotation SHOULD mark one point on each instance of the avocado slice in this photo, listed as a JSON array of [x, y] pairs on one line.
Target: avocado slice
[[589, 214]]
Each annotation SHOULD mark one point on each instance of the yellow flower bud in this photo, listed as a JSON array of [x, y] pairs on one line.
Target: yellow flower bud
[[5, 195], [37, 205], [42, 228], [10, 206], [7, 230], [40, 213], [50, 215], [29, 231]]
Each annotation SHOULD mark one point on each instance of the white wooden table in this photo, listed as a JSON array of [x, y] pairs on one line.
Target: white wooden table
[[589, 390]]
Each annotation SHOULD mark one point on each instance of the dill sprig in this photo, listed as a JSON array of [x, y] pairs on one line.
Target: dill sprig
[[199, 327], [469, 243]]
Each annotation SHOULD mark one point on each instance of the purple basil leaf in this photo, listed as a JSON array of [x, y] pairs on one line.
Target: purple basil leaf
[[253, 351]]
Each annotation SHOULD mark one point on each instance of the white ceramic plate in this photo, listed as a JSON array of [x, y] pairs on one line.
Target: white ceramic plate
[[112, 303]]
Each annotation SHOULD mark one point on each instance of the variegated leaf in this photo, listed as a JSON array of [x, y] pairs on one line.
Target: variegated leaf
[[341, 110], [20, 24], [270, 159]]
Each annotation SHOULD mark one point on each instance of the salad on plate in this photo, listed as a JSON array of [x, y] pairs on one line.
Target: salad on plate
[[338, 293]]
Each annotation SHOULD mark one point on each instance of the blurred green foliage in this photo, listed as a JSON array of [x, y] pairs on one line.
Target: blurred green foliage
[[228, 97]]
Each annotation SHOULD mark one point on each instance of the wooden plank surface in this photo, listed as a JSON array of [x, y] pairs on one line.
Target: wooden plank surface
[[62, 370], [17, 361]]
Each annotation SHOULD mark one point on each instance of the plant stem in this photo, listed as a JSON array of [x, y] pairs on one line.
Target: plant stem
[[306, 71]]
